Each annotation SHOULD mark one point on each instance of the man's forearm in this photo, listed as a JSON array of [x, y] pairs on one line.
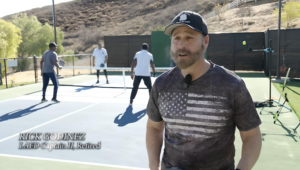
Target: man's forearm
[[56, 64], [250, 153], [153, 69], [132, 66], [154, 140]]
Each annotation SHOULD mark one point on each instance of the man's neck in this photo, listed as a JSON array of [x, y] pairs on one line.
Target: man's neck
[[99, 48], [196, 70]]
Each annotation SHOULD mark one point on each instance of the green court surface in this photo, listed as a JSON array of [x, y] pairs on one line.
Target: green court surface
[[9, 163], [293, 92], [280, 149]]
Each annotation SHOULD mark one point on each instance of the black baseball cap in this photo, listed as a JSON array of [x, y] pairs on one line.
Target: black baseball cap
[[53, 45], [190, 19], [145, 46]]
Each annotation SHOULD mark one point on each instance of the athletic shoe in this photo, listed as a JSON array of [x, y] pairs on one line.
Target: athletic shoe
[[44, 100], [107, 82], [97, 82], [55, 100]]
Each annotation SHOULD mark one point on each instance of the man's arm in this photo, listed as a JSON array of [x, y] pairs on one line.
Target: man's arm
[[94, 61], [106, 58], [154, 140], [153, 67], [41, 65], [252, 142], [55, 62], [133, 65]]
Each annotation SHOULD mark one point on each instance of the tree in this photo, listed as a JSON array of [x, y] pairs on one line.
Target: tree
[[289, 12], [36, 37], [10, 38]]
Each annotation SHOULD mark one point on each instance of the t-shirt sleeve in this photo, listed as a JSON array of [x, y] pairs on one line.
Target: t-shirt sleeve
[[55, 58], [106, 52], [135, 56], [152, 107], [94, 53], [151, 58], [245, 117]]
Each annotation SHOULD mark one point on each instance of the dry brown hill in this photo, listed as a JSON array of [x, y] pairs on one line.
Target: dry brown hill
[[86, 21]]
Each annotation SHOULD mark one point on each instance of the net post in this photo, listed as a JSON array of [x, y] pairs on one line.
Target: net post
[[35, 69], [90, 64], [124, 79], [73, 66], [5, 72]]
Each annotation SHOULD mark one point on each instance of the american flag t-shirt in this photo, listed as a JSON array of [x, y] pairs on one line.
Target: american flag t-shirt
[[193, 115]]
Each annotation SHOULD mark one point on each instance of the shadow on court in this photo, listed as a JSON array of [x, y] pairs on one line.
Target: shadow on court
[[129, 117], [22, 112], [83, 88], [291, 132]]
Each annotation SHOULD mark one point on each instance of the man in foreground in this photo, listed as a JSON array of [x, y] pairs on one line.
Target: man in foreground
[[199, 117]]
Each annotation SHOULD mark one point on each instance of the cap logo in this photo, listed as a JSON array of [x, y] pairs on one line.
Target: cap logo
[[183, 18]]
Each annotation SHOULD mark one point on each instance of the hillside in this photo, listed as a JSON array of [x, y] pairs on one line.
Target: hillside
[[86, 21]]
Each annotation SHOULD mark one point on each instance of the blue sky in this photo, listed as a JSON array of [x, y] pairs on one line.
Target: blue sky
[[13, 6]]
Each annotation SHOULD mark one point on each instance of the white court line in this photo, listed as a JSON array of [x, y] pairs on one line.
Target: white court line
[[49, 121], [77, 162]]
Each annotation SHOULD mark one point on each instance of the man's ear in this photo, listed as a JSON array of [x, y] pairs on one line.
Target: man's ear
[[206, 40]]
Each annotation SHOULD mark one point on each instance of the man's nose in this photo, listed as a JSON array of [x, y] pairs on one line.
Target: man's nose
[[182, 44]]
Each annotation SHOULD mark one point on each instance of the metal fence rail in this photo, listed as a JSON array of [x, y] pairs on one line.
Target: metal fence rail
[[28, 70]]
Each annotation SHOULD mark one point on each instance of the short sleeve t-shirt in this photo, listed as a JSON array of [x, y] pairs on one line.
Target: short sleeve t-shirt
[[200, 120], [143, 63], [49, 58], [99, 54]]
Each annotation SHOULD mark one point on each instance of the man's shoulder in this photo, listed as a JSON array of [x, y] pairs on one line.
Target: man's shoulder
[[143, 52], [224, 74], [149, 53], [166, 76]]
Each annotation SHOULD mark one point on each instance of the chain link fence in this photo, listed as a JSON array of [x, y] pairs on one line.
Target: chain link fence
[[23, 71]]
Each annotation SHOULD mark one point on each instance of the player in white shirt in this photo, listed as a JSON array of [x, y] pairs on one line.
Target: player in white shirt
[[100, 54], [141, 62]]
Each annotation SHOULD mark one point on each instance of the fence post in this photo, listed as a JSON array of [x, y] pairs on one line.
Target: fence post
[[35, 69], [91, 64], [73, 66], [5, 72], [0, 75]]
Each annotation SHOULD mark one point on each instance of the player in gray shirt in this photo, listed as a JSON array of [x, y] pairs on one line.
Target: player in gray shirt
[[49, 60], [199, 117]]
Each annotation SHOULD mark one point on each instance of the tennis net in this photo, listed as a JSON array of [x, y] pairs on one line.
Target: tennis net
[[118, 77]]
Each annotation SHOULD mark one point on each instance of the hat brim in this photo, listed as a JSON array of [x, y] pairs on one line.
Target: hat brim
[[169, 29]]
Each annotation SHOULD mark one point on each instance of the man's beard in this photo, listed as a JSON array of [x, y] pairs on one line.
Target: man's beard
[[185, 63]]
